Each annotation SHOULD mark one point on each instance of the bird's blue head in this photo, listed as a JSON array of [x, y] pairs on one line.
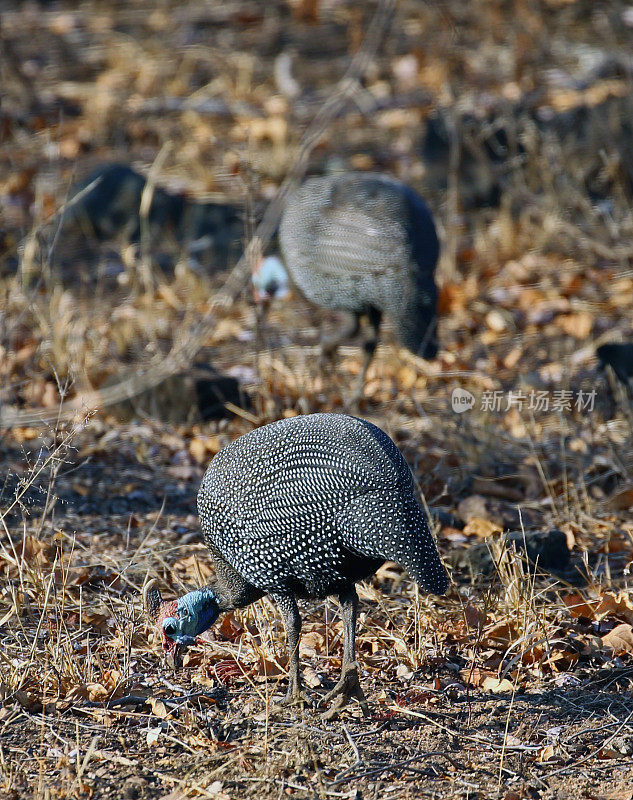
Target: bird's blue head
[[194, 614], [180, 621], [270, 279]]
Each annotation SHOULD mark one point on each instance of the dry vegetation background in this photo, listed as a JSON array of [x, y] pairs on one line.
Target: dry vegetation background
[[514, 120]]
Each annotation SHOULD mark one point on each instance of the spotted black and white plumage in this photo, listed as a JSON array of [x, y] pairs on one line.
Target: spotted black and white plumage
[[365, 244], [304, 507]]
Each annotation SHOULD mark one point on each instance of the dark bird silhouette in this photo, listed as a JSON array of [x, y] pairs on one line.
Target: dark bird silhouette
[[618, 356], [209, 231], [303, 507], [365, 245]]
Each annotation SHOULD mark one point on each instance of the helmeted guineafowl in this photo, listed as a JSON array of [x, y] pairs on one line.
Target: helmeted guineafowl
[[108, 205], [363, 244], [618, 356], [303, 507]]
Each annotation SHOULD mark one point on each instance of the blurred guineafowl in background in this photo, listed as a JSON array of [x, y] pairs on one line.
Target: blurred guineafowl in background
[[618, 356], [109, 201], [108, 206], [366, 245], [303, 507]]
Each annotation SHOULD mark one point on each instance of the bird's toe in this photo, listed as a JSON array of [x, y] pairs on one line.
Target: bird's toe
[[348, 687], [297, 699]]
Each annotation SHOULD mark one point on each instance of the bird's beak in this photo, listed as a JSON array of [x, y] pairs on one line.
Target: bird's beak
[[182, 643], [261, 296], [173, 659]]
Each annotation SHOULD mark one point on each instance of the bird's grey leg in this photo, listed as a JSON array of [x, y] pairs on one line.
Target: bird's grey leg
[[349, 685], [292, 621], [370, 344], [350, 324], [349, 610]]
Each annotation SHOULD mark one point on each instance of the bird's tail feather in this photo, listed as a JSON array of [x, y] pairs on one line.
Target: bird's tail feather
[[373, 525]]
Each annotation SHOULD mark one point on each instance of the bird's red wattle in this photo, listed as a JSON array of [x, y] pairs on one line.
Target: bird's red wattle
[[169, 609]]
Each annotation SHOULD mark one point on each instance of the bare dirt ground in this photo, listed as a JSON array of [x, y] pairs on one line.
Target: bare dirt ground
[[513, 120]]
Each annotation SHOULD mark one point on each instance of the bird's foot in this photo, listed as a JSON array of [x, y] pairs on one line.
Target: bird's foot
[[293, 699], [347, 687], [357, 397], [354, 403], [326, 363]]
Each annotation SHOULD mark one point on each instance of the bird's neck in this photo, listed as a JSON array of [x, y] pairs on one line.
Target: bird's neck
[[214, 591], [201, 608], [235, 596]]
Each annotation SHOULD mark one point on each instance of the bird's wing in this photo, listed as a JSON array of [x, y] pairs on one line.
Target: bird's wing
[[349, 240], [386, 526], [296, 498]]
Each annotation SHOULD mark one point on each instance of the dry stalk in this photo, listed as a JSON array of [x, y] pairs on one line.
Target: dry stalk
[[145, 261]]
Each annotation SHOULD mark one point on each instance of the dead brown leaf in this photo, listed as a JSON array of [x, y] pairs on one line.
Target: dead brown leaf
[[497, 685], [578, 606], [270, 669], [622, 499], [311, 644], [475, 616], [577, 325], [620, 639], [159, 709], [546, 753], [502, 632], [97, 692], [452, 298], [619, 605], [483, 528], [230, 629]]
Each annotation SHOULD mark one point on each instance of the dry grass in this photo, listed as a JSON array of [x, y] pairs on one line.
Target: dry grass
[[517, 683]]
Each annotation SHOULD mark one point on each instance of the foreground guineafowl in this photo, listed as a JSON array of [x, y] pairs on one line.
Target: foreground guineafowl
[[363, 244], [303, 507]]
